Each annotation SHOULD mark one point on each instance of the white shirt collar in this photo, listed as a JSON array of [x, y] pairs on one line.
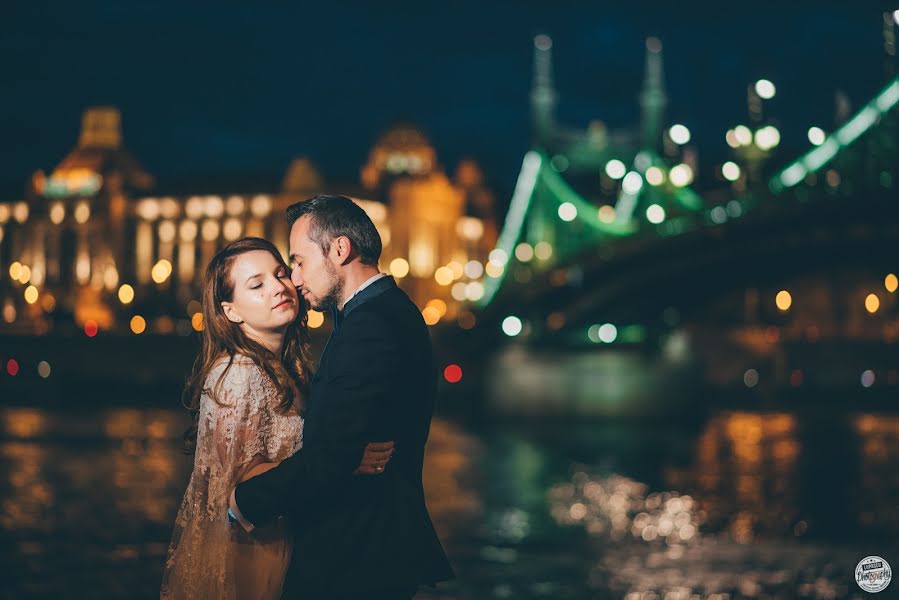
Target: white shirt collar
[[365, 284]]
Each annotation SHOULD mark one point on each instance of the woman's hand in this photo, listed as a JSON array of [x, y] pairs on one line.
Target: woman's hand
[[375, 459]]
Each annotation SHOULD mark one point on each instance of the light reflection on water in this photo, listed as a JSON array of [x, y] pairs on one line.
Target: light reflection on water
[[747, 505]]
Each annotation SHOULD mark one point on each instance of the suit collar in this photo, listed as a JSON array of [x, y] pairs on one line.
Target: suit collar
[[375, 289]]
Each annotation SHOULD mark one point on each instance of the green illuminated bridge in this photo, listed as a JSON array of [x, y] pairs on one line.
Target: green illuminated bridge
[[608, 240]]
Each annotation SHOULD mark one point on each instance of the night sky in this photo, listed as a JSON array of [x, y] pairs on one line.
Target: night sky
[[237, 90]]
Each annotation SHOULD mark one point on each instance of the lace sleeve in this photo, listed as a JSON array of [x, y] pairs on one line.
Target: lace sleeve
[[239, 423]]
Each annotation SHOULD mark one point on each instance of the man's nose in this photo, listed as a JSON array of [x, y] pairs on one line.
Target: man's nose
[[296, 278]]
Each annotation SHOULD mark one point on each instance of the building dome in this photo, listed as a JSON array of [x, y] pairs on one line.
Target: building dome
[[402, 150], [99, 153]]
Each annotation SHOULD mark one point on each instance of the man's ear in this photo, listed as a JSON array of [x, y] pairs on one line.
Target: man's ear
[[231, 313], [342, 250]]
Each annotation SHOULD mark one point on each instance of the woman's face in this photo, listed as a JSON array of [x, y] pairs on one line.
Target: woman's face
[[264, 300]]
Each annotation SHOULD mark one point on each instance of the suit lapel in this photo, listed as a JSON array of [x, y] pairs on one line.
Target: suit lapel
[[372, 291]]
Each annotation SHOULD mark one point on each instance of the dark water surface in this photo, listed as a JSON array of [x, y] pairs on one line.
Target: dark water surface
[[741, 505]]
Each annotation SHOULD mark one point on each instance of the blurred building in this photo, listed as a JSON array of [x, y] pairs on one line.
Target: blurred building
[[95, 245]]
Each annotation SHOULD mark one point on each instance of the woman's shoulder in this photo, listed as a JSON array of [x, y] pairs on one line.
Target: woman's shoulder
[[235, 371]]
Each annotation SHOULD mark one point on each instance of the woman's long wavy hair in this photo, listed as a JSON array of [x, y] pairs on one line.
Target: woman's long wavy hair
[[223, 338]]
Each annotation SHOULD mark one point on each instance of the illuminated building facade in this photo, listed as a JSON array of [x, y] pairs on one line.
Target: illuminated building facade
[[91, 246]]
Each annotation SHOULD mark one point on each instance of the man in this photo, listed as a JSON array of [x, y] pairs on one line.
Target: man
[[356, 537]]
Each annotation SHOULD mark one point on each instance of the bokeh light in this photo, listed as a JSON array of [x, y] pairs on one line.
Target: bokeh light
[[498, 256], [743, 135], [314, 319], [161, 271], [767, 137], [474, 291], [91, 328], [655, 214], [438, 304], [632, 183], [872, 303], [524, 252], [443, 276], [765, 89], [567, 211], [126, 294], [473, 269], [607, 213], [456, 267], [679, 134], [655, 176], [512, 326], [751, 378], [816, 136], [431, 315], [399, 267], [783, 300], [608, 333], [138, 324], [730, 170], [15, 270], [453, 373], [543, 250], [615, 169], [868, 378], [681, 175], [494, 269]]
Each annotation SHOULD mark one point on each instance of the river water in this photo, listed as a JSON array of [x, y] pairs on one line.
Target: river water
[[739, 504]]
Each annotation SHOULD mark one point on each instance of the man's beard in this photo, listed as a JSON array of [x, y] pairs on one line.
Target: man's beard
[[334, 294]]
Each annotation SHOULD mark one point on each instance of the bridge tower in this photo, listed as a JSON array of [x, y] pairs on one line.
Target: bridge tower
[[543, 93], [653, 98]]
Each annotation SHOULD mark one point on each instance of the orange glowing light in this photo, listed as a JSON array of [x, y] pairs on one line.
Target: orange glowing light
[[315, 319], [138, 324], [872, 303], [783, 300], [431, 315]]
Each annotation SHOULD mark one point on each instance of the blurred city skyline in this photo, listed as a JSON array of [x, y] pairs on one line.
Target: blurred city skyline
[[240, 92]]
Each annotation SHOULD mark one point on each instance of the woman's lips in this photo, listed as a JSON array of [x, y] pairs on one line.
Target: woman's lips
[[284, 303]]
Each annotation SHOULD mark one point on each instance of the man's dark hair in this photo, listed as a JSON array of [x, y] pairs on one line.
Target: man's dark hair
[[335, 216]]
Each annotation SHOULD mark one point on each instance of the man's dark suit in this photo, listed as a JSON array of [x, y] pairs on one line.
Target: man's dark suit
[[376, 380]]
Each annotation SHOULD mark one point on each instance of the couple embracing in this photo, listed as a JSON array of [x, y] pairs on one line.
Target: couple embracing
[[307, 484]]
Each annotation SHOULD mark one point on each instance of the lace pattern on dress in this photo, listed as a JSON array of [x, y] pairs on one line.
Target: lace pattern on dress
[[208, 557]]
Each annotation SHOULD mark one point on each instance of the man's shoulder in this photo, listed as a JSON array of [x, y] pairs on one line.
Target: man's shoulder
[[391, 315], [385, 306]]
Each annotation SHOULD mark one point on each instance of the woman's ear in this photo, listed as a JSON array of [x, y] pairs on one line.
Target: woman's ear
[[231, 312]]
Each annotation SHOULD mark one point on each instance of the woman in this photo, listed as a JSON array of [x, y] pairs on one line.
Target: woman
[[245, 392]]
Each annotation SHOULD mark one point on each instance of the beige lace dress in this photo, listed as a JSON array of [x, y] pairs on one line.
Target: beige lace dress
[[208, 557]]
